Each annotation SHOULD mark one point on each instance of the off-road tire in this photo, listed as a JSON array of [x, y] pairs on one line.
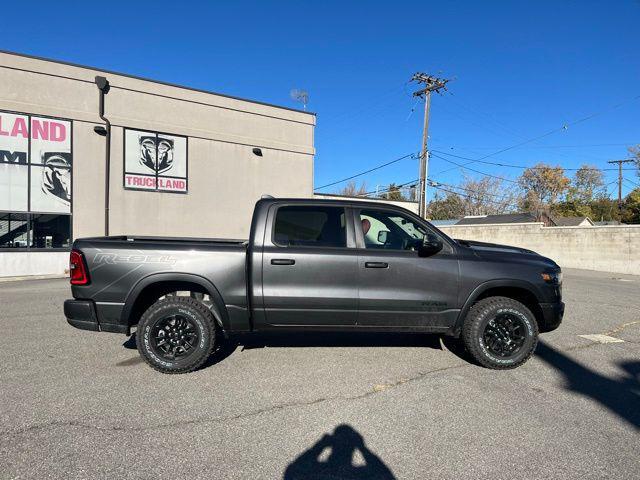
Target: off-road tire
[[201, 318], [474, 327]]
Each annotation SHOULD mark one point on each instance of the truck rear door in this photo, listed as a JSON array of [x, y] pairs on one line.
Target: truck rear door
[[309, 273]]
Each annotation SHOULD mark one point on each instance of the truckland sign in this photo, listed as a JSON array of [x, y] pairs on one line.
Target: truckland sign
[[35, 163], [155, 161]]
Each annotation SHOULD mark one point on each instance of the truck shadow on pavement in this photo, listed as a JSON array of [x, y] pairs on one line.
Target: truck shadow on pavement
[[342, 454], [620, 396], [305, 339], [339, 339]]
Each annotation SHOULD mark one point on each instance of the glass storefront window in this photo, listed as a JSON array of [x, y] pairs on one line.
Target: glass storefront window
[[50, 231], [13, 230], [34, 231]]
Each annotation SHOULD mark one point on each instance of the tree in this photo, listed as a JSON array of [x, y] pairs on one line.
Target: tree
[[586, 187], [631, 207], [635, 155], [447, 208], [487, 196], [587, 184], [543, 185], [394, 193], [352, 190], [604, 209]]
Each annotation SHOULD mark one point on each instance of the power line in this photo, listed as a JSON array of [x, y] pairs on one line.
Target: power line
[[412, 155], [373, 103], [473, 170], [523, 166], [551, 132], [627, 144], [392, 186], [632, 182], [435, 183], [469, 196]]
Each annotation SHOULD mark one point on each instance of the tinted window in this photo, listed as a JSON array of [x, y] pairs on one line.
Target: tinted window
[[50, 231], [13, 230], [310, 226]]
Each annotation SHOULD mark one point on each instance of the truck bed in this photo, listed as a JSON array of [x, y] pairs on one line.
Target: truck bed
[[120, 266]]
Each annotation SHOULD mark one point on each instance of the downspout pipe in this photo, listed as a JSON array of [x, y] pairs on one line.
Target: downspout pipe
[[103, 86]]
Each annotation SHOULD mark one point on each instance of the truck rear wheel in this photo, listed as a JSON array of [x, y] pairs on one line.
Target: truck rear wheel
[[500, 333], [176, 335]]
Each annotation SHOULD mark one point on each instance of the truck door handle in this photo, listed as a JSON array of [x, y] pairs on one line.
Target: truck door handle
[[282, 261], [376, 265]]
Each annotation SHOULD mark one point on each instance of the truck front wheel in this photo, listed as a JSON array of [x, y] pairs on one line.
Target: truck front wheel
[[500, 333], [176, 335]]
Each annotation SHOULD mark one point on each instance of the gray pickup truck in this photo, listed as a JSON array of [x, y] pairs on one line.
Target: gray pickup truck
[[314, 265]]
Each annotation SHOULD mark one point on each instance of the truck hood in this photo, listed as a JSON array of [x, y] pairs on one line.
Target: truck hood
[[494, 251]]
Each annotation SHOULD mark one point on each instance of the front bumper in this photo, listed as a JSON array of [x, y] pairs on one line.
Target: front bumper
[[552, 314], [82, 314]]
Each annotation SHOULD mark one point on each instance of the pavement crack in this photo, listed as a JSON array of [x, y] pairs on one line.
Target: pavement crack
[[227, 418], [621, 327]]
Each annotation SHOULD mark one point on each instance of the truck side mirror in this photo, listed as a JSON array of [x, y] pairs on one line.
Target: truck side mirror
[[383, 236], [430, 245]]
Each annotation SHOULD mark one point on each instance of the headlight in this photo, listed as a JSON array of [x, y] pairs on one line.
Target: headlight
[[553, 277]]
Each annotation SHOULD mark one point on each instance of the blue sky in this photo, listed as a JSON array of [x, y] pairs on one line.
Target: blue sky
[[520, 69]]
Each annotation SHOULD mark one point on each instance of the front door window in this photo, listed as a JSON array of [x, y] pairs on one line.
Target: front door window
[[390, 231]]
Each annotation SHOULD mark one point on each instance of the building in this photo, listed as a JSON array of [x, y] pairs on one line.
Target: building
[[182, 162], [444, 223], [507, 218], [573, 222]]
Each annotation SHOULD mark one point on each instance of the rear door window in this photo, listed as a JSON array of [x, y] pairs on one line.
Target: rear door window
[[310, 226]]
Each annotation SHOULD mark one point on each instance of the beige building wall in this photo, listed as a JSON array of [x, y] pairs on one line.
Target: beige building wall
[[225, 178]]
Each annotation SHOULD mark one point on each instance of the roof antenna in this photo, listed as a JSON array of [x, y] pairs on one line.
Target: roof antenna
[[300, 96]]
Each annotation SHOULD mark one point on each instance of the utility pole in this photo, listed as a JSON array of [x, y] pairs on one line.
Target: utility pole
[[431, 84], [620, 162]]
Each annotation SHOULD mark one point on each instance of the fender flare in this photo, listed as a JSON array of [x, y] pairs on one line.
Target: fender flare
[[218, 308], [489, 284]]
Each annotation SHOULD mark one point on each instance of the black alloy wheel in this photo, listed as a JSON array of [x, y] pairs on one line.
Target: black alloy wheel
[[505, 335], [174, 336]]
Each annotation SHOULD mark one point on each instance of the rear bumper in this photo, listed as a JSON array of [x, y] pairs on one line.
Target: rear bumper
[[82, 314], [552, 314]]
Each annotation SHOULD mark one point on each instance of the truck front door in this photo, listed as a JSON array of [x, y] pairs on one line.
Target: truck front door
[[309, 273], [397, 288]]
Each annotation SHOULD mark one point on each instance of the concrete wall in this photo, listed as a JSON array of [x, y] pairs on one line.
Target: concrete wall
[[18, 264], [608, 249]]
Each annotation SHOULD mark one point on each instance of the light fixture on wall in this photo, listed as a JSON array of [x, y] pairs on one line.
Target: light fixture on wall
[[257, 151], [100, 130]]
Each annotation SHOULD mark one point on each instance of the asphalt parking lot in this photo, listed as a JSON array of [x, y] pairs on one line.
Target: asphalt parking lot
[[77, 404]]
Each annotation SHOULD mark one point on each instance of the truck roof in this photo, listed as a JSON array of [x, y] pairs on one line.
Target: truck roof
[[333, 201]]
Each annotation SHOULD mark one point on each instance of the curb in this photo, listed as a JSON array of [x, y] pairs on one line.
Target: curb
[[32, 277]]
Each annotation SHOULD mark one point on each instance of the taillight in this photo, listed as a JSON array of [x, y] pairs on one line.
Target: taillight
[[78, 269]]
